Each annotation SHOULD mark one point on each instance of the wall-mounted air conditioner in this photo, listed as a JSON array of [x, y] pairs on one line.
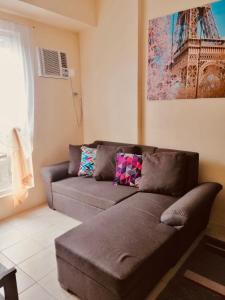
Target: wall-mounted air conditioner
[[52, 63]]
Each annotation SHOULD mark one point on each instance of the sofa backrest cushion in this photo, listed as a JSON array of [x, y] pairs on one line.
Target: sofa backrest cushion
[[192, 167], [75, 157], [105, 168], [105, 162], [137, 149], [192, 159], [164, 173]]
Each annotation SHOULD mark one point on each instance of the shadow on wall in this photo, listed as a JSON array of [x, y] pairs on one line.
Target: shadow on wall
[[214, 171]]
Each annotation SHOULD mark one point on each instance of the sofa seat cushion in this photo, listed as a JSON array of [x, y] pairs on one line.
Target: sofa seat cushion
[[119, 248], [153, 204], [101, 194]]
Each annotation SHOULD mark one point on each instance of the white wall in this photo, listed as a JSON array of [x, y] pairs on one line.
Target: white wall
[[110, 73]]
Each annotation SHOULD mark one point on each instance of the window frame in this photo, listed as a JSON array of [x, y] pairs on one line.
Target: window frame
[[7, 191]]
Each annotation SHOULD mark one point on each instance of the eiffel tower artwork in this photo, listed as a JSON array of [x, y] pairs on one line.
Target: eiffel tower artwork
[[186, 54]]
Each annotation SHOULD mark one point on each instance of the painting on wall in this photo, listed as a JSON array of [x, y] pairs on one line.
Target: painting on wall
[[186, 54]]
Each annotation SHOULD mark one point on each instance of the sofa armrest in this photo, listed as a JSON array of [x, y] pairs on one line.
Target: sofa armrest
[[194, 203], [54, 173]]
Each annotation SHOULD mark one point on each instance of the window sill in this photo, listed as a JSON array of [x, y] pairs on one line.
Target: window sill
[[9, 192], [5, 193]]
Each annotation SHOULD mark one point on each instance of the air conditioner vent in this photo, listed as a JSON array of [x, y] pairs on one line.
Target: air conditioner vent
[[52, 63], [63, 59]]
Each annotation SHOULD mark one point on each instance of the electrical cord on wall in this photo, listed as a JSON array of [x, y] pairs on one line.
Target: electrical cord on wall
[[75, 95]]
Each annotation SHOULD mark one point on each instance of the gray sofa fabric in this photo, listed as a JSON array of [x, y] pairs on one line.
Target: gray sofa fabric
[[164, 173], [153, 204], [127, 244], [129, 239], [72, 207], [193, 204], [75, 157], [138, 149], [192, 166], [101, 194], [58, 172], [51, 174], [105, 162], [130, 249]]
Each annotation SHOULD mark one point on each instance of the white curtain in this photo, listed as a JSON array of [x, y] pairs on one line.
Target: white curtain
[[17, 103]]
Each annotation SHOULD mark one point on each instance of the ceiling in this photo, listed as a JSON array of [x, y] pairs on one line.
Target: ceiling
[[60, 18]]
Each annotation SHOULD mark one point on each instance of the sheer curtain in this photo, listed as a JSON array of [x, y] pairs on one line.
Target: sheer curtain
[[17, 104]]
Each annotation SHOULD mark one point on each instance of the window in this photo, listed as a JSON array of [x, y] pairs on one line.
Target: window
[[16, 98], [5, 174]]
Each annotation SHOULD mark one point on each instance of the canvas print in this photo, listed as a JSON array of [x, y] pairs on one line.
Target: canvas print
[[186, 54]]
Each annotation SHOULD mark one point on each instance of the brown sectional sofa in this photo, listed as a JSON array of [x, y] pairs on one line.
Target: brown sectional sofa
[[129, 239]]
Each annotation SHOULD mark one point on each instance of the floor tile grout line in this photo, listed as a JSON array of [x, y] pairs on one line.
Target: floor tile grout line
[[44, 247], [36, 283], [62, 224], [7, 258], [47, 291], [22, 261], [3, 249], [41, 277], [34, 280], [33, 283]]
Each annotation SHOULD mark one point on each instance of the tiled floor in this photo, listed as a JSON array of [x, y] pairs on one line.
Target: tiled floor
[[27, 242]]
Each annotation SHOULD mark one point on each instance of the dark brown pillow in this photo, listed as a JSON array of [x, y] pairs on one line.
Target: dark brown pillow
[[105, 167], [105, 162], [75, 157], [164, 173]]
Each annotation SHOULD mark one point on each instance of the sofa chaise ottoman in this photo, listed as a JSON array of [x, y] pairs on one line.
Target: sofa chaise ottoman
[[119, 254], [125, 250]]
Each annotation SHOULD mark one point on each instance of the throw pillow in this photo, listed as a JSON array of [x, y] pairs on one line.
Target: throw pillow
[[88, 159], [164, 173], [128, 169], [75, 157], [105, 162]]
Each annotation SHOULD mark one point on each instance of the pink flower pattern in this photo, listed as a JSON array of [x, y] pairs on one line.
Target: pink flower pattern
[[160, 83]]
